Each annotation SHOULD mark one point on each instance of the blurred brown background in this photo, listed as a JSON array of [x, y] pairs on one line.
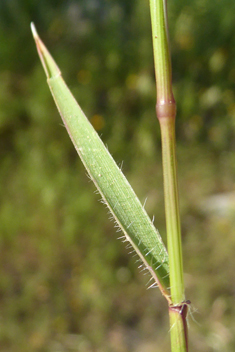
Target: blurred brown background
[[66, 283]]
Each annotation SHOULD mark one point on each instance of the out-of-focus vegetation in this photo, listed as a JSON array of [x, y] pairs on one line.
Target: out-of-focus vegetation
[[66, 282]]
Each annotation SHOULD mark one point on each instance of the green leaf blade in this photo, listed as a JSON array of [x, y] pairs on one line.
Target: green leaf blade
[[108, 178]]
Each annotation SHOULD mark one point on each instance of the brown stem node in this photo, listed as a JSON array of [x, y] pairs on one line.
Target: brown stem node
[[166, 109]]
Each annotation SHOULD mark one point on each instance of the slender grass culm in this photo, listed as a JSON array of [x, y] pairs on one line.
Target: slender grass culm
[[166, 268], [166, 112]]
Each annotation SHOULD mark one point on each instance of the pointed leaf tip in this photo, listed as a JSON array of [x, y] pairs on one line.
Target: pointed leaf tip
[[49, 65], [34, 31]]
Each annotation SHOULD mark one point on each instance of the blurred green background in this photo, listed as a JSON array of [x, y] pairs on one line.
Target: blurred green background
[[66, 282]]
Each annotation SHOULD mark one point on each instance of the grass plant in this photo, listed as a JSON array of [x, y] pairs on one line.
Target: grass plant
[[166, 268]]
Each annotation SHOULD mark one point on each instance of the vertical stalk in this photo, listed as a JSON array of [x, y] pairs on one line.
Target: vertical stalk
[[167, 125], [166, 112]]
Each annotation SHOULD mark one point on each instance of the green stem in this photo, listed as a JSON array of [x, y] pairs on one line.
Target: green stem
[[179, 329], [166, 112], [174, 247], [162, 58]]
